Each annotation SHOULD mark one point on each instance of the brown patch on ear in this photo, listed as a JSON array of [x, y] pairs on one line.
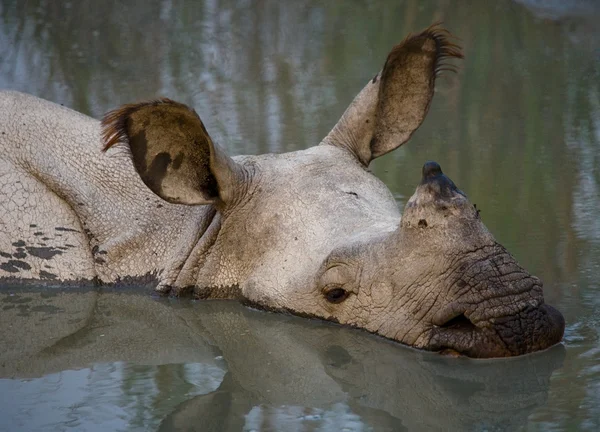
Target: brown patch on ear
[[169, 147], [114, 123], [407, 85]]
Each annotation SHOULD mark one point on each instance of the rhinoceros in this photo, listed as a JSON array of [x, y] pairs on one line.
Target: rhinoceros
[[310, 232]]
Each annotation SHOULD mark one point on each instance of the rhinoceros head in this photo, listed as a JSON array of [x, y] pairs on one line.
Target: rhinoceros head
[[313, 232]]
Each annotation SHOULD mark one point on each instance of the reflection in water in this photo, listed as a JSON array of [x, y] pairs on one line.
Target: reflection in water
[[338, 418], [226, 367], [518, 129], [111, 396]]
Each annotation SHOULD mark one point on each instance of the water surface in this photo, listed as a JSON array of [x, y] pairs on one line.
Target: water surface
[[518, 129]]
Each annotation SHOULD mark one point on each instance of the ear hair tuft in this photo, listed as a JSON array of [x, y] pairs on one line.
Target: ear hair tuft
[[444, 47], [114, 123]]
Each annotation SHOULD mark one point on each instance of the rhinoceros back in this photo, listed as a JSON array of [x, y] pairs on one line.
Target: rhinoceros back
[[61, 198]]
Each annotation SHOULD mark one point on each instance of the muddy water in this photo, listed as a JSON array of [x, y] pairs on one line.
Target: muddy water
[[518, 129]]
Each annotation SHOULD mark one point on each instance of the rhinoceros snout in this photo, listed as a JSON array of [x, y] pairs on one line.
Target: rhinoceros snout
[[491, 306], [497, 310]]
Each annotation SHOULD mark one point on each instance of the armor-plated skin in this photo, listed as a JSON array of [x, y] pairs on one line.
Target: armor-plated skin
[[312, 232]]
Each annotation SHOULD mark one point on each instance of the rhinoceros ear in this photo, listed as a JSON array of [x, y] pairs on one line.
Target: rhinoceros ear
[[384, 115], [173, 153]]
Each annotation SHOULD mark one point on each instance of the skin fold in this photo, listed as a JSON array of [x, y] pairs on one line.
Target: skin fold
[[310, 232]]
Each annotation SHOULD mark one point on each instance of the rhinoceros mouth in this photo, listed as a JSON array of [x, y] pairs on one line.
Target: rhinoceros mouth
[[497, 310], [534, 328]]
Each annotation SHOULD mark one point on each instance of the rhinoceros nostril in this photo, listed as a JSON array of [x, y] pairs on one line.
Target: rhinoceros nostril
[[460, 322], [422, 223]]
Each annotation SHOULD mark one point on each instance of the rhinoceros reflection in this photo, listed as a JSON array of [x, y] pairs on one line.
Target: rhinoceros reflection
[[282, 372]]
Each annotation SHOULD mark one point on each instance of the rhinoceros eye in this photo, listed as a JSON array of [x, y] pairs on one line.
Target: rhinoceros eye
[[336, 295]]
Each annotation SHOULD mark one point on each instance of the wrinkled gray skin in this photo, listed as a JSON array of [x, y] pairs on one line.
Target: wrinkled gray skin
[[312, 232]]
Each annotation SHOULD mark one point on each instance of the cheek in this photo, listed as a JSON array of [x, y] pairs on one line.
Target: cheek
[[381, 295], [368, 309], [284, 279]]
